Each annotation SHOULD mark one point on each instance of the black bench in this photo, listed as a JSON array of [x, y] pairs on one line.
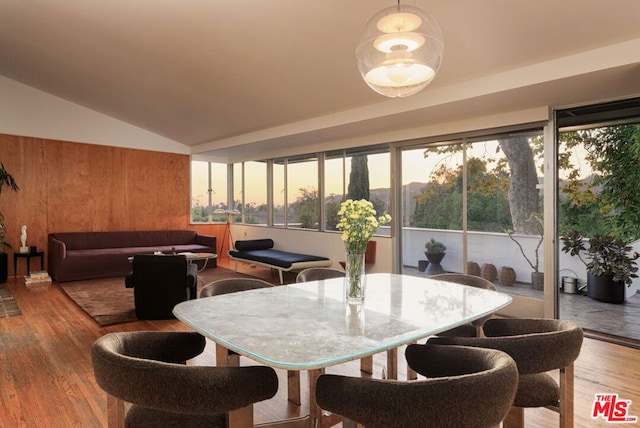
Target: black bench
[[261, 252]]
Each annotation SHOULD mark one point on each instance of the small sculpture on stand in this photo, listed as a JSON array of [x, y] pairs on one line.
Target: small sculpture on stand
[[23, 239]]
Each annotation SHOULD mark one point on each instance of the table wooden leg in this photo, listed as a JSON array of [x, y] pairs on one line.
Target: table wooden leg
[[226, 358], [366, 365], [392, 363], [293, 387]]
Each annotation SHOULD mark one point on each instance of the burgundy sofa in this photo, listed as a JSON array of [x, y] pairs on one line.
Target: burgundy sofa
[[88, 255]]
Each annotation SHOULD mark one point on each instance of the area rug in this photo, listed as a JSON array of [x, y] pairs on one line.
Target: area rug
[[108, 302], [8, 305]]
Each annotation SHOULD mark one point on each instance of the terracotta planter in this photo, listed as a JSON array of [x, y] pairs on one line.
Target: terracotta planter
[[507, 276], [489, 272], [473, 268]]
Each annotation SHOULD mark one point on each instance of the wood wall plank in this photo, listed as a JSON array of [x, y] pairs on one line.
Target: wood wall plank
[[66, 186]]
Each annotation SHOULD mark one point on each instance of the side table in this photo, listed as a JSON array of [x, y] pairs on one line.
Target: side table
[[27, 256]]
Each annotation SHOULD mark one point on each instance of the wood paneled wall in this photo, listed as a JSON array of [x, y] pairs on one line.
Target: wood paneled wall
[[67, 187]]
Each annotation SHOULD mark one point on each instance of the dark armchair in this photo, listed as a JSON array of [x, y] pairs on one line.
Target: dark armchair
[[160, 282]]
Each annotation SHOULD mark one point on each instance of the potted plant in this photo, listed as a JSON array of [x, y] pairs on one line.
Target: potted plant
[[435, 253], [537, 277], [5, 180], [609, 266]]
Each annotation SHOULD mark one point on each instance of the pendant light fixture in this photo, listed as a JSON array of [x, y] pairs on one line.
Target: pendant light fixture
[[399, 51]]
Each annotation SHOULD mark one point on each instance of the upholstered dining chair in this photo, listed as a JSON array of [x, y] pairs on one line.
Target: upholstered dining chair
[[317, 274], [473, 328], [232, 285], [148, 369], [159, 283], [537, 346], [464, 387], [230, 358]]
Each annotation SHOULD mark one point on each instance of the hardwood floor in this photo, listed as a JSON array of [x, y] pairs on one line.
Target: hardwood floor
[[46, 377]]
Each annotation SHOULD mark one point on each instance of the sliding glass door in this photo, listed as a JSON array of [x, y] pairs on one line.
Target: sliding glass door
[[598, 200], [482, 198]]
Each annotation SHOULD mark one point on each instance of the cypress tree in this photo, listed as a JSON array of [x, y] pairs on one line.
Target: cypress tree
[[359, 178]]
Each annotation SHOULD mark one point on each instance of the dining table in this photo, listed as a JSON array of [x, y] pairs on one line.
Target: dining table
[[310, 326]]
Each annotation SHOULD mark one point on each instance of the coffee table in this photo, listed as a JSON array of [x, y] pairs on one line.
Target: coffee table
[[195, 257]]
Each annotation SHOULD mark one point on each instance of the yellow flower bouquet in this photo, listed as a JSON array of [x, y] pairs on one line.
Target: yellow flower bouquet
[[358, 223]]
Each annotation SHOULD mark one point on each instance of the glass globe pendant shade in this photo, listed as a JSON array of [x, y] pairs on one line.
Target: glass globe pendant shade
[[399, 51]]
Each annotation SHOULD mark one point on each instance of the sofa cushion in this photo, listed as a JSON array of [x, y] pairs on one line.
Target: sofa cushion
[[128, 239], [278, 258]]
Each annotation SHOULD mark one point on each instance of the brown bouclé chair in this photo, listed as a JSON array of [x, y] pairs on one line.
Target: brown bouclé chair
[[148, 369], [465, 387], [232, 285], [318, 274], [538, 346]]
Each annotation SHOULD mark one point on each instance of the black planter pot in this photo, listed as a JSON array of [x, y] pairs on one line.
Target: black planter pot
[[603, 289], [4, 267], [434, 267], [422, 265]]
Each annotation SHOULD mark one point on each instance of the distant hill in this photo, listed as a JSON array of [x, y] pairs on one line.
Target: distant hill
[[409, 192]]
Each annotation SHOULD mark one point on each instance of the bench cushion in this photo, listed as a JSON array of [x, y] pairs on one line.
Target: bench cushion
[[253, 244], [278, 258]]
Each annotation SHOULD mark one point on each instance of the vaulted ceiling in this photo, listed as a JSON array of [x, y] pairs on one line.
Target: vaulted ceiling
[[228, 76]]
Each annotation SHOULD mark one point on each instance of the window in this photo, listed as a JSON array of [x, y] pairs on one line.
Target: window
[[334, 187], [363, 173], [238, 189], [302, 192], [481, 197], [208, 191], [279, 193], [286, 192], [255, 197]]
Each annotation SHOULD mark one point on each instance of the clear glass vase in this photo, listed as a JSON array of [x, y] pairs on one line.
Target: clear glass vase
[[355, 278]]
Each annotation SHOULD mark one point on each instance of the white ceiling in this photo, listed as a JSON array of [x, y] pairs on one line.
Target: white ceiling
[[232, 76]]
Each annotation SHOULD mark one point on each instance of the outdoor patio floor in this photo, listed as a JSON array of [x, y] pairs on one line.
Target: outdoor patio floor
[[616, 323]]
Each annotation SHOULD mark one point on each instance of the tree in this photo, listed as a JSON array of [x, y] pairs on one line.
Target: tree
[[523, 178], [439, 206], [305, 209], [613, 153], [516, 173], [331, 208], [359, 178]]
